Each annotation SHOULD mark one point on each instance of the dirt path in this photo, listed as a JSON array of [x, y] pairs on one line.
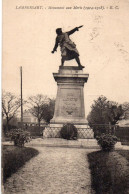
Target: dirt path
[[53, 171]]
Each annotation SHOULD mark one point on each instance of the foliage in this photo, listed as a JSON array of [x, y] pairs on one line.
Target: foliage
[[14, 158], [69, 131], [109, 172], [124, 153], [41, 107], [104, 114], [10, 106], [125, 106], [107, 141], [9, 128], [49, 110], [104, 111], [19, 137]]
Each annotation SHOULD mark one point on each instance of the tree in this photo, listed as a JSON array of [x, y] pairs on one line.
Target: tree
[[125, 107], [49, 110], [42, 107], [10, 106], [104, 112]]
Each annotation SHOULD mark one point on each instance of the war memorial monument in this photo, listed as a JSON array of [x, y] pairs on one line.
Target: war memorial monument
[[69, 105]]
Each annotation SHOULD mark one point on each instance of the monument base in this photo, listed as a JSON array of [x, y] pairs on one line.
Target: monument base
[[53, 131], [69, 105]]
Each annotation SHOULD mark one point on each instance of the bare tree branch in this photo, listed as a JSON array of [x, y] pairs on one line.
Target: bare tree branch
[[10, 105], [37, 105]]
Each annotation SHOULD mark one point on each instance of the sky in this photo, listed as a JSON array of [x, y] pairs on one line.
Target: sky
[[103, 44]]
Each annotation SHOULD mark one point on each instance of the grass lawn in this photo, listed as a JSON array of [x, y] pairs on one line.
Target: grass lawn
[[15, 157], [110, 171]]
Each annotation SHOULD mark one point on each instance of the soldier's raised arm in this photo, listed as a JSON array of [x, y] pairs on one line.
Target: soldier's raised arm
[[74, 30]]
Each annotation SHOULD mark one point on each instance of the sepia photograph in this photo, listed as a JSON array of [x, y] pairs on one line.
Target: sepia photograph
[[65, 97]]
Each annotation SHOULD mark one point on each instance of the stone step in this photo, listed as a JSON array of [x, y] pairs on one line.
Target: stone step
[[58, 142]]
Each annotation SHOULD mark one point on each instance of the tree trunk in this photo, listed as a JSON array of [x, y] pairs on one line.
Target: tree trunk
[[7, 124], [39, 123]]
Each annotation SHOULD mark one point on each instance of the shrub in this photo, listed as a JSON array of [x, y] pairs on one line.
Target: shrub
[[109, 172], [69, 131], [19, 136], [9, 128], [107, 141], [15, 157]]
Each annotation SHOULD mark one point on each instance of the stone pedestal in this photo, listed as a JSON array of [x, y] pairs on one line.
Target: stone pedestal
[[69, 106]]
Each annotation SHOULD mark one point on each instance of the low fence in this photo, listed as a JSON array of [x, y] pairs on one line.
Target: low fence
[[103, 128], [34, 129], [122, 134], [84, 132], [89, 131]]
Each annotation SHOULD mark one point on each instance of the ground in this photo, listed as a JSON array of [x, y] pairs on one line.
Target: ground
[[55, 170]]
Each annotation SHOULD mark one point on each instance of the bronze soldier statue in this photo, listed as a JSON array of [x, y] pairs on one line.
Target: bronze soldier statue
[[68, 48]]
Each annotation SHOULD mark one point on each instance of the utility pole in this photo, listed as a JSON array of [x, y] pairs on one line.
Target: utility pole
[[21, 99]]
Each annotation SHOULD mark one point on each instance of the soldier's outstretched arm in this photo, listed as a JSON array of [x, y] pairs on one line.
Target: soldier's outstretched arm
[[74, 30]]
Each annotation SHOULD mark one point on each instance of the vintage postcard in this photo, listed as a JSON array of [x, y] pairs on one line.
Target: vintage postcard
[[62, 60]]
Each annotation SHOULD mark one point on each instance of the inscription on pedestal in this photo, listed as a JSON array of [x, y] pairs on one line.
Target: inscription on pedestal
[[70, 102]]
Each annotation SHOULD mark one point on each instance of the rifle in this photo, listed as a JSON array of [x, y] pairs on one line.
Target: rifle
[[80, 26]]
